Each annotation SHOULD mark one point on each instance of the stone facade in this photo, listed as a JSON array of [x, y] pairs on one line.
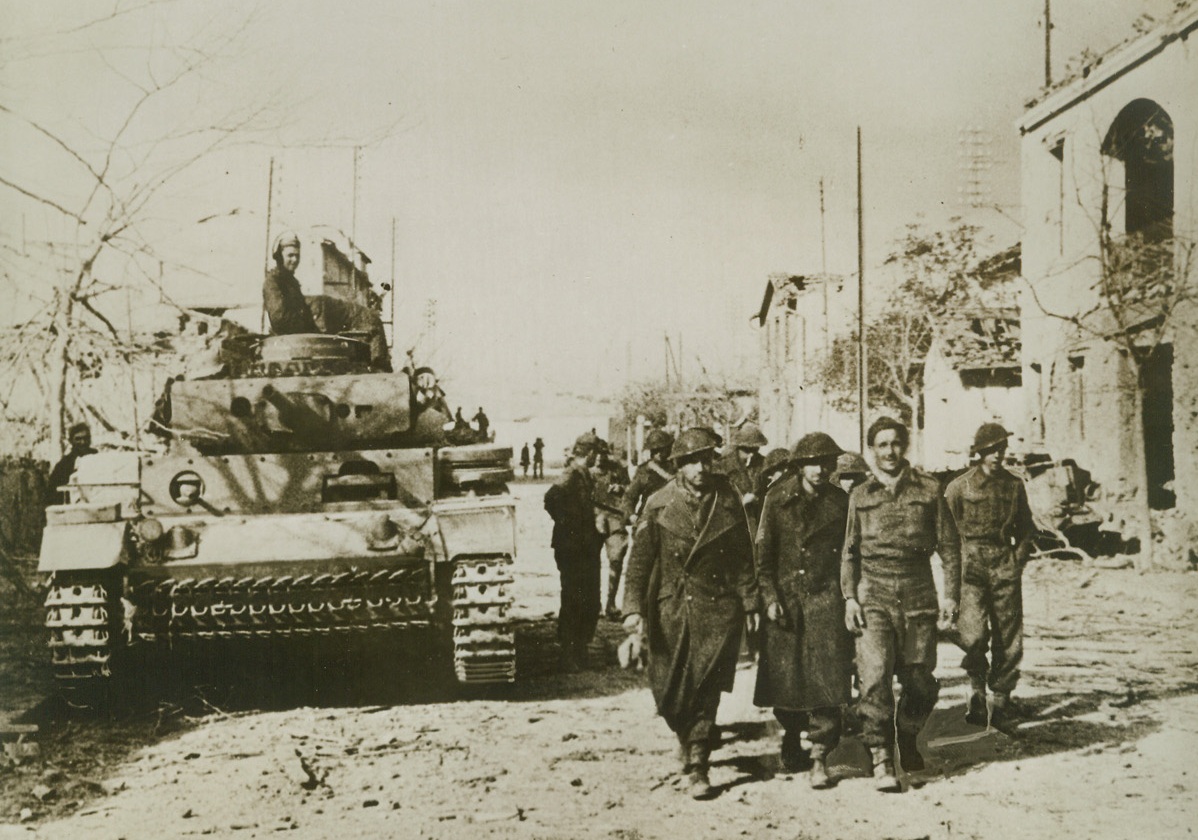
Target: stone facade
[[1116, 146]]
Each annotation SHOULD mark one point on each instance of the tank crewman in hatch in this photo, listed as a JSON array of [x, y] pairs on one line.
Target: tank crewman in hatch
[[806, 651], [281, 294], [290, 312], [742, 464], [576, 548], [80, 436], [896, 520], [691, 590], [990, 508]]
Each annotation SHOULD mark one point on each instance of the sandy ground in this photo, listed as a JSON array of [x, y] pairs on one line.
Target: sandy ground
[[372, 749]]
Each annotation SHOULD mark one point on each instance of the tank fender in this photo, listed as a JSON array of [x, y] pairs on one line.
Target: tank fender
[[95, 545]]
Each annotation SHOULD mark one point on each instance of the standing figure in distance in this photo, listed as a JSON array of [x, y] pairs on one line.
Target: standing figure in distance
[[691, 590], [484, 424], [896, 520], [806, 652], [576, 547], [524, 459], [538, 458], [990, 508]]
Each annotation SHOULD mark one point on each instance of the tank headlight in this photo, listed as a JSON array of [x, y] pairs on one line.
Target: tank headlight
[[148, 530], [181, 543]]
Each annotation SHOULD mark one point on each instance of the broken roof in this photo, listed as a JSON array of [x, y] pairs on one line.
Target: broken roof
[[979, 340], [801, 283]]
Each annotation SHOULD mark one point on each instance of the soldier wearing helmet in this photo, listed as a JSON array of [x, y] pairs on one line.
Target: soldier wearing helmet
[[576, 549], [691, 591], [281, 294], [851, 470], [994, 521], [611, 480], [742, 464], [805, 666], [650, 476], [773, 468]]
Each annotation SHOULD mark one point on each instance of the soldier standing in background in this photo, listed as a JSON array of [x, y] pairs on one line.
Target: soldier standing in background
[[538, 458], [994, 521], [483, 422], [742, 464], [896, 520], [650, 476], [806, 652], [80, 436], [851, 470], [691, 590], [773, 468], [524, 459], [576, 546], [610, 483]]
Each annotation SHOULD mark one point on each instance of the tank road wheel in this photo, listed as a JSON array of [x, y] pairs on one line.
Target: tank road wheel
[[85, 616]]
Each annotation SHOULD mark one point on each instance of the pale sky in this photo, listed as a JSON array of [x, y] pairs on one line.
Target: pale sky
[[571, 181]]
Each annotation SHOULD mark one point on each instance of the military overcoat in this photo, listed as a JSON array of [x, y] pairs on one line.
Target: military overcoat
[[806, 660], [690, 577]]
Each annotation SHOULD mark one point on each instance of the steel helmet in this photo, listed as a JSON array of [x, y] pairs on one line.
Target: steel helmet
[[587, 443], [814, 446], [775, 459], [693, 442], [658, 439], [988, 436], [851, 463], [748, 436]]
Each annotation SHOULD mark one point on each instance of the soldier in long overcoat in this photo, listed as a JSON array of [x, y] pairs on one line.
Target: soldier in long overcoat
[[805, 662], [742, 464], [690, 588]]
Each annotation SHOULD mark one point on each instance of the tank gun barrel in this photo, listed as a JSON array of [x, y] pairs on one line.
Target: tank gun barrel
[[298, 416]]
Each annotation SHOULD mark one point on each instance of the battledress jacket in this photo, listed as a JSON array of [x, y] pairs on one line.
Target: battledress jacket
[[805, 660], [569, 501], [690, 577], [285, 304]]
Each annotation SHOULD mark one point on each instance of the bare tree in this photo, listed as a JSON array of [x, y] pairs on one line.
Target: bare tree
[[105, 178]]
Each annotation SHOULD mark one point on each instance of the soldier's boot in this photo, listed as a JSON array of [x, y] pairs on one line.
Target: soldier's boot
[[910, 758], [793, 757], [1004, 713], [885, 779], [613, 586], [819, 777], [699, 785], [975, 709], [684, 755]]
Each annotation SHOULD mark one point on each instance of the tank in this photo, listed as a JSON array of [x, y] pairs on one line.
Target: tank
[[297, 494]]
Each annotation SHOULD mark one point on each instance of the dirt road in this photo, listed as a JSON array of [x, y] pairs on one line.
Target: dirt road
[[1111, 671]]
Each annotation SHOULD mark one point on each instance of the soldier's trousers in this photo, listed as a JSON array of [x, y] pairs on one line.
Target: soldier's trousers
[[579, 613], [822, 725], [696, 726], [899, 640], [990, 616], [616, 548]]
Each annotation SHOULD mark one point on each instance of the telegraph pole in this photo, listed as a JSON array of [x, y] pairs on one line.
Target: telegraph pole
[[1047, 43], [862, 362]]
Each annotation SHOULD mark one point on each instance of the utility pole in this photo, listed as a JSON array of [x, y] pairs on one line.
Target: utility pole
[[823, 267], [391, 322], [353, 212], [1047, 43], [862, 362], [270, 194]]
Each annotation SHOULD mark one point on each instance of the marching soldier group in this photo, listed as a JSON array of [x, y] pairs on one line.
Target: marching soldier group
[[831, 563]]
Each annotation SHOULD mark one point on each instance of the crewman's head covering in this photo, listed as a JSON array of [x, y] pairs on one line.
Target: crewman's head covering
[[284, 239], [659, 439]]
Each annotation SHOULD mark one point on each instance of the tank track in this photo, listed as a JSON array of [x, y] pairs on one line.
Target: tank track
[[484, 642], [282, 606], [85, 617]]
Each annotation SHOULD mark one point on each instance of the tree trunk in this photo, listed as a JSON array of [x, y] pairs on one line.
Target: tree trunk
[[1140, 509]]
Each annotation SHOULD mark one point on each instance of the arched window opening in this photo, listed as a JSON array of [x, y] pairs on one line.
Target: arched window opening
[[1142, 138]]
